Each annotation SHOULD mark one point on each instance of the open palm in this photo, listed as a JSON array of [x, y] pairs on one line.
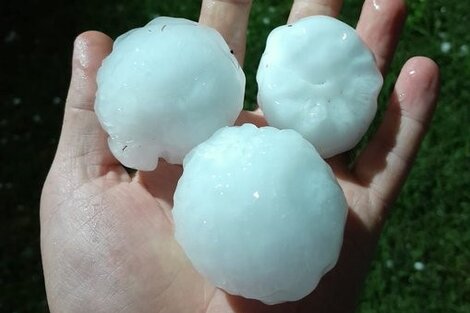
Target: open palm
[[107, 236]]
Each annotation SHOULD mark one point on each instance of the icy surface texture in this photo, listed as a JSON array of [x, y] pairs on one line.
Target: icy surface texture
[[316, 76], [165, 88], [259, 213]]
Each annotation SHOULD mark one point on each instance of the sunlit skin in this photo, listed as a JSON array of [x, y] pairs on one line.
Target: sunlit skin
[[107, 236]]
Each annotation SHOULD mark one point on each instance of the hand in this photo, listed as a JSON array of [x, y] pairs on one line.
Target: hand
[[107, 237]]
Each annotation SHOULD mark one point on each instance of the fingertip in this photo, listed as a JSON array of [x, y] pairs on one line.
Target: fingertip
[[417, 89], [93, 36], [422, 68], [90, 48], [89, 44]]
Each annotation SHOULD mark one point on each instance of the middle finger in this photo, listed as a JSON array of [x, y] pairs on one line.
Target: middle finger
[[230, 19], [304, 8]]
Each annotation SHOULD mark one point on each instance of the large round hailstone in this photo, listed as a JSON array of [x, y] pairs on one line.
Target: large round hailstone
[[259, 213], [165, 88], [316, 76]]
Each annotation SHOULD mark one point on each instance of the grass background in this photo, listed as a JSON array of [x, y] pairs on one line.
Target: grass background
[[429, 225]]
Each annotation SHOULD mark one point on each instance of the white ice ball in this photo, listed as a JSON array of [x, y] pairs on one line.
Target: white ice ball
[[165, 88], [259, 213], [316, 76]]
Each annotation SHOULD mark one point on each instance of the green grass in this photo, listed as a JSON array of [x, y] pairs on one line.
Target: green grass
[[429, 223]]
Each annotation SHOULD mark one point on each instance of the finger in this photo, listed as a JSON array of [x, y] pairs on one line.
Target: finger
[[339, 165], [379, 26], [304, 8], [82, 138], [230, 19], [252, 117], [385, 162]]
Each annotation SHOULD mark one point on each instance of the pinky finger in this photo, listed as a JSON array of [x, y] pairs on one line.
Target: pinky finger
[[385, 162]]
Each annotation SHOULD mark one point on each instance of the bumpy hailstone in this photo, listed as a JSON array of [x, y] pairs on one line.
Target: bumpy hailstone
[[165, 88], [259, 213], [316, 76]]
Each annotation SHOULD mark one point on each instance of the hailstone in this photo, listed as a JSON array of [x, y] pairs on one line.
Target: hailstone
[[316, 76], [259, 213], [165, 88]]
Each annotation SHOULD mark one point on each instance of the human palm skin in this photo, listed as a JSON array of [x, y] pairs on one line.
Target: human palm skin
[[107, 236]]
